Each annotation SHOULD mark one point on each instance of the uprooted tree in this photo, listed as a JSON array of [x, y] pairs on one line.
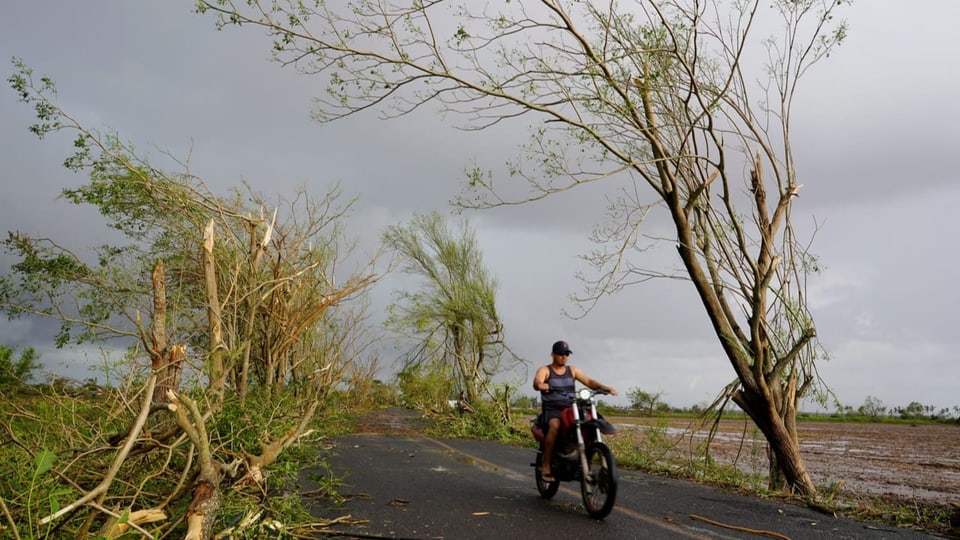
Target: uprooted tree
[[256, 307], [658, 95]]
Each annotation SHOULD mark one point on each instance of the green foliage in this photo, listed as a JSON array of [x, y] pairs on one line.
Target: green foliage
[[43, 462], [102, 292], [912, 411], [426, 385], [34, 484], [657, 448], [485, 421], [48, 117], [19, 371], [453, 317], [291, 340], [935, 518], [379, 394], [645, 449], [873, 408], [647, 401]]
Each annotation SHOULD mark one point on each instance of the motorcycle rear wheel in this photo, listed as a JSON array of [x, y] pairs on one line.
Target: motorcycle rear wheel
[[599, 484], [547, 489]]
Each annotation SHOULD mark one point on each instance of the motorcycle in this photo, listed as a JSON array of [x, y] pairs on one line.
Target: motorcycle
[[580, 455]]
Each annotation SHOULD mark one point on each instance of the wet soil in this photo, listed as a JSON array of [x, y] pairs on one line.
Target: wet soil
[[919, 462], [914, 462]]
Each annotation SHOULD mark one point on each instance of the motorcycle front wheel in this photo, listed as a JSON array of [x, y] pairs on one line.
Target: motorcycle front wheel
[[599, 484], [547, 489]]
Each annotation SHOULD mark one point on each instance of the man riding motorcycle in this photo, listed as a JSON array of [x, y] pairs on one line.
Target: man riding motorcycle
[[556, 384]]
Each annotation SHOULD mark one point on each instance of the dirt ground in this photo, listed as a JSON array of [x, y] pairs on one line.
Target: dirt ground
[[919, 462]]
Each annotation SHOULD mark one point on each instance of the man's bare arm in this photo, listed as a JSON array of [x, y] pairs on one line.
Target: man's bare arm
[[590, 383], [540, 380]]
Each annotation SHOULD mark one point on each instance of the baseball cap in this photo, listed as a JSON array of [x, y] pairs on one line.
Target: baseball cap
[[561, 347]]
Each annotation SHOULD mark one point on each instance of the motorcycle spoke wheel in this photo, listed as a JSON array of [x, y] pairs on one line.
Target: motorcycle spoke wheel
[[599, 484]]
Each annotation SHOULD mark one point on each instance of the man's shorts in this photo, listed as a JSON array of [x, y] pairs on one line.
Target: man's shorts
[[550, 413]]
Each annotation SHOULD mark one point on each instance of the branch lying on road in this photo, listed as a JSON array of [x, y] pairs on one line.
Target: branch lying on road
[[760, 532]]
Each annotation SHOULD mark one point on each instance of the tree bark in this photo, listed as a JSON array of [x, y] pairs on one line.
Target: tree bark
[[783, 441], [217, 348], [168, 377], [206, 494], [200, 514], [157, 345], [764, 396]]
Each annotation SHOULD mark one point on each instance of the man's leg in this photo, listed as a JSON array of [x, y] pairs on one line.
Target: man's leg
[[548, 444]]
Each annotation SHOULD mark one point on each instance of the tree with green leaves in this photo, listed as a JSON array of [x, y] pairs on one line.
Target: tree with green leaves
[[20, 370], [913, 411], [641, 399], [248, 286], [873, 407], [246, 300], [453, 317], [658, 99]]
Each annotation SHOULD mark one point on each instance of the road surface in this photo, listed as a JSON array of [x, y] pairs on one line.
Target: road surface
[[401, 484]]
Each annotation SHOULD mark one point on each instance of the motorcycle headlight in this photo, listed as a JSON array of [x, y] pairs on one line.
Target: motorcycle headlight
[[585, 393]]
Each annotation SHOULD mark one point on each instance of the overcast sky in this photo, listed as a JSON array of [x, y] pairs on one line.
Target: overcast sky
[[875, 134]]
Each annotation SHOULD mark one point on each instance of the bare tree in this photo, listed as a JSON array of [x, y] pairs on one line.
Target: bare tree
[[657, 94]]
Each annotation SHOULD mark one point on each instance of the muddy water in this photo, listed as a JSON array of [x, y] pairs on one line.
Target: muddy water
[[918, 462]]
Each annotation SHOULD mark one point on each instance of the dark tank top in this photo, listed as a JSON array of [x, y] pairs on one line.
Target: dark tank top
[[555, 398]]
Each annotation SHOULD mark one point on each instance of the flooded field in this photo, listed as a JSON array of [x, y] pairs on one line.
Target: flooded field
[[919, 462]]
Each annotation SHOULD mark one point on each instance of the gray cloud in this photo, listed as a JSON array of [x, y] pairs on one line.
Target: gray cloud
[[873, 133]]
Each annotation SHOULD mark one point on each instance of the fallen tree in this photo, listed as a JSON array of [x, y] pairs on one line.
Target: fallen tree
[[243, 306]]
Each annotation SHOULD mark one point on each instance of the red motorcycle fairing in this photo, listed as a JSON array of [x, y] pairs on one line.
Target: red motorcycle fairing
[[537, 431]]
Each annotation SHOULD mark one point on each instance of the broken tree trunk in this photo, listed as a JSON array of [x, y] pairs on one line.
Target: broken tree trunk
[[214, 322], [206, 493]]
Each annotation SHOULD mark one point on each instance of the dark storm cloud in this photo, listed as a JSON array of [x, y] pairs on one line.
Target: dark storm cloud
[[874, 131]]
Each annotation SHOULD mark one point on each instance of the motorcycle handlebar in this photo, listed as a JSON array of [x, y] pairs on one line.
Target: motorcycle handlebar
[[564, 393]]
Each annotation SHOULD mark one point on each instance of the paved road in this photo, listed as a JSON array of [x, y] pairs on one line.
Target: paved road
[[409, 486]]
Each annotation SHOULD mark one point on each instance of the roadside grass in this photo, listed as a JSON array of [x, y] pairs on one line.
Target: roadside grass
[[895, 511]]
